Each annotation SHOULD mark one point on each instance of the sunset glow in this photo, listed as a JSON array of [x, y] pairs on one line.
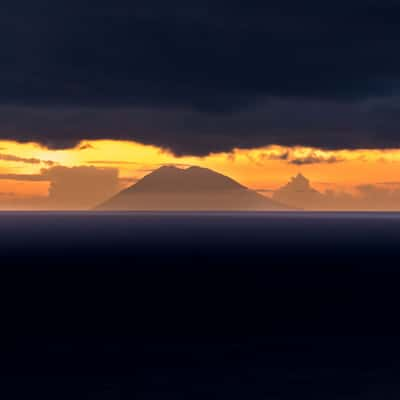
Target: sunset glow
[[263, 169]]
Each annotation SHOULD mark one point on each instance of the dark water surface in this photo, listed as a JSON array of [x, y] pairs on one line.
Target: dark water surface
[[200, 306]]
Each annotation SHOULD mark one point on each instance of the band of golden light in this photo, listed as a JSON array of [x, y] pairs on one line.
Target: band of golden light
[[267, 167]]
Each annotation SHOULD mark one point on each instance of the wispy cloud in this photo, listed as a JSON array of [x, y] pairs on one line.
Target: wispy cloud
[[314, 159], [278, 156], [13, 158], [86, 146], [112, 162], [24, 177]]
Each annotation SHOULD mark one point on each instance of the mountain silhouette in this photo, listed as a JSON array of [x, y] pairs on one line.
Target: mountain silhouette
[[193, 189]]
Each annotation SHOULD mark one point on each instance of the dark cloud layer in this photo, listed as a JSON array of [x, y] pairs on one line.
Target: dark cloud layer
[[202, 76]]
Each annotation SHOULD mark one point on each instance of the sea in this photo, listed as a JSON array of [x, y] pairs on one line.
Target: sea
[[280, 305]]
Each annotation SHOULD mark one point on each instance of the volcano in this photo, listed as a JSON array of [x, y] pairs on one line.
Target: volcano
[[193, 189]]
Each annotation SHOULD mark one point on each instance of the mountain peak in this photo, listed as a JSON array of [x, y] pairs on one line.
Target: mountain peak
[[167, 169], [174, 170]]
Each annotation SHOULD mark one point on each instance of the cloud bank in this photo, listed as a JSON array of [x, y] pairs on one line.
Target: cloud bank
[[299, 193], [69, 188]]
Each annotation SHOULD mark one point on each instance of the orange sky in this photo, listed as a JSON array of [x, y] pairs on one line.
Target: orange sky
[[263, 168]]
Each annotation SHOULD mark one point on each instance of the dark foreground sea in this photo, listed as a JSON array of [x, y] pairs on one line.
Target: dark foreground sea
[[200, 306]]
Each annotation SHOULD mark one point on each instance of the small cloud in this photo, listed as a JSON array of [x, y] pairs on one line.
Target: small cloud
[[85, 146], [314, 159], [231, 157], [13, 158], [112, 162], [275, 156], [23, 177]]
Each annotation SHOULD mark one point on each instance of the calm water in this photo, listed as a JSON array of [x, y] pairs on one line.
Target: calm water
[[182, 306]]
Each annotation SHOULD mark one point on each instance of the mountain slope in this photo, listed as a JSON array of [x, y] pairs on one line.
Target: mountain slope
[[193, 189]]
